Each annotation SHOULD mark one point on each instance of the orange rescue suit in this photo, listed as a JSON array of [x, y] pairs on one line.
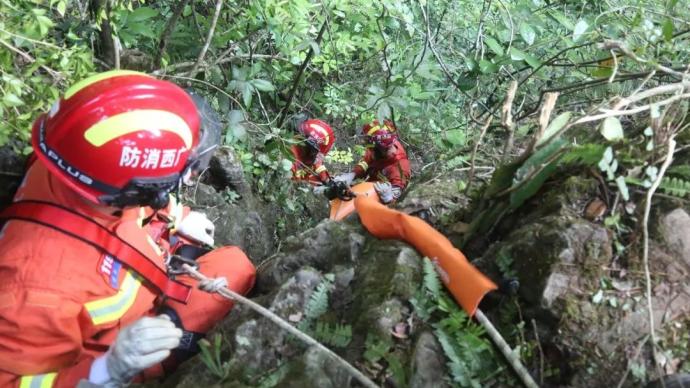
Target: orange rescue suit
[[308, 168], [62, 302], [393, 166]]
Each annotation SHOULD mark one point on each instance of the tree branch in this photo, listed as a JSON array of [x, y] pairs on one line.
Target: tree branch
[[295, 82], [169, 27], [209, 38]]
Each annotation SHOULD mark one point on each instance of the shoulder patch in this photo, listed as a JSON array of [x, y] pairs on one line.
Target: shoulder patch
[[109, 267]]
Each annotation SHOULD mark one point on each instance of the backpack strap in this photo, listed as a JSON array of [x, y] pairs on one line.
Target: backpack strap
[[84, 229]]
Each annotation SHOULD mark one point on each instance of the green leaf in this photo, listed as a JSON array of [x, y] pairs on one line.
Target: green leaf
[[598, 297], [142, 13], [247, 92], [612, 129], [667, 29], [494, 45], [517, 55], [579, 30], [555, 125], [562, 19], [11, 99], [455, 137], [623, 188], [61, 7], [527, 33], [383, 112], [466, 83], [487, 67], [532, 61], [263, 85]]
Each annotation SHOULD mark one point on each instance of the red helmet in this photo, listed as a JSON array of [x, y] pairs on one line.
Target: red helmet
[[318, 135], [382, 136], [120, 138]]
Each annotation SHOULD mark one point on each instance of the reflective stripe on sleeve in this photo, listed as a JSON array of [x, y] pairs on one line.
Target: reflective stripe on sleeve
[[364, 165], [114, 307], [38, 381], [320, 169]]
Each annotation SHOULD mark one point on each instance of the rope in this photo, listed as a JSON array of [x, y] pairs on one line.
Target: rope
[[508, 353], [219, 286]]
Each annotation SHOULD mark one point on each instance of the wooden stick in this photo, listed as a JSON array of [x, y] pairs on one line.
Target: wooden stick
[[511, 357], [229, 294]]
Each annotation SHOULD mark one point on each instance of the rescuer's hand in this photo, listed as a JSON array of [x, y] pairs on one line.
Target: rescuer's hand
[[385, 191], [347, 178], [141, 345], [196, 226]]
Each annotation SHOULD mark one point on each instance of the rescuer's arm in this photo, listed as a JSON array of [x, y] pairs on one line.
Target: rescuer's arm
[[40, 340], [361, 168]]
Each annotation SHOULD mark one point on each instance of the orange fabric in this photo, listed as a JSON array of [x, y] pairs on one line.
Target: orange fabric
[[341, 209], [47, 279], [467, 285], [393, 167], [306, 169]]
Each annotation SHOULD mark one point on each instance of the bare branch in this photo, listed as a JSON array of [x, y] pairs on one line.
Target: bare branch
[[298, 76], [209, 38], [507, 118], [671, 145], [169, 27]]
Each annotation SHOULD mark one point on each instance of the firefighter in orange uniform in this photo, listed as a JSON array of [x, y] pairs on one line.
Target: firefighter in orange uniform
[[108, 155], [317, 139], [385, 162]]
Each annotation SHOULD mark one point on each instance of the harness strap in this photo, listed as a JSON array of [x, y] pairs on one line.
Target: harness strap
[[91, 232]]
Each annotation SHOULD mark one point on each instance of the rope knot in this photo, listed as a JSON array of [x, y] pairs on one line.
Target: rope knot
[[213, 284]]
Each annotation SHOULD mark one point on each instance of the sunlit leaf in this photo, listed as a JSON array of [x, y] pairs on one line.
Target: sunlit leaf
[[527, 33], [487, 67], [142, 13], [554, 126], [11, 99], [580, 29], [494, 45], [667, 29], [623, 188], [517, 55], [263, 85], [611, 129]]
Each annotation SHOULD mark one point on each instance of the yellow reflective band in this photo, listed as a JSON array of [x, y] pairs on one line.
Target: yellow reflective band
[[320, 169], [114, 307], [373, 129], [38, 381], [323, 132], [364, 165], [138, 120], [98, 77]]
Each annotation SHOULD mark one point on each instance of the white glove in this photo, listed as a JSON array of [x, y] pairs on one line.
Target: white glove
[[385, 191], [138, 346], [347, 178], [198, 227]]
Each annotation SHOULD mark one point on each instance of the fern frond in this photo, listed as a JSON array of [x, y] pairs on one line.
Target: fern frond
[[336, 335], [318, 301], [431, 280], [675, 186], [681, 170], [458, 369]]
